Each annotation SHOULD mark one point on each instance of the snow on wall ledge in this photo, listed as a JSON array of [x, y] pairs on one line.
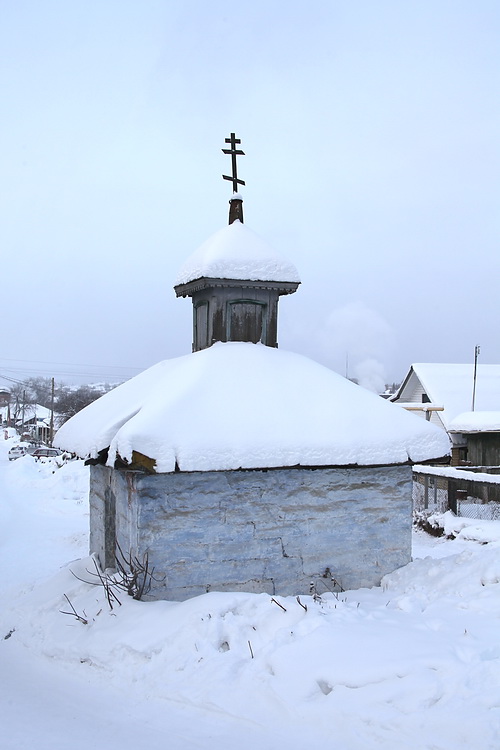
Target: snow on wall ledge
[[248, 406], [236, 252]]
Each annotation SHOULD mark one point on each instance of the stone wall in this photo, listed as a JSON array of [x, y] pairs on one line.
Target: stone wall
[[273, 531]]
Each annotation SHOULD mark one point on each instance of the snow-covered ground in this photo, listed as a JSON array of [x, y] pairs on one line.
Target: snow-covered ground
[[412, 665]]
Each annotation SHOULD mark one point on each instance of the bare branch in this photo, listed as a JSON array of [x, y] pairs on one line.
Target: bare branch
[[74, 613], [279, 605]]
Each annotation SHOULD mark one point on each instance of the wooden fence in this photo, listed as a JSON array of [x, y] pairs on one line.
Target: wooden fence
[[473, 492]]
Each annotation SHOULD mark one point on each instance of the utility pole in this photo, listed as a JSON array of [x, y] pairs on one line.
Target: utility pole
[[477, 349], [51, 432]]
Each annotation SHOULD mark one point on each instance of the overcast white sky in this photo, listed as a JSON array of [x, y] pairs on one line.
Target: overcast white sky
[[371, 132]]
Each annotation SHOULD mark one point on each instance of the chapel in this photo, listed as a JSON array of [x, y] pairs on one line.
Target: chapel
[[243, 467]]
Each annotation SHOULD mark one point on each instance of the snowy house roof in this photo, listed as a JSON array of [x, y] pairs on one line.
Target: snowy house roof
[[35, 411], [247, 406], [476, 421], [5, 384], [451, 385], [236, 252]]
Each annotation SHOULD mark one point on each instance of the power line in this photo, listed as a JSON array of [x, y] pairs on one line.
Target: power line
[[63, 373], [104, 372], [12, 380], [70, 364]]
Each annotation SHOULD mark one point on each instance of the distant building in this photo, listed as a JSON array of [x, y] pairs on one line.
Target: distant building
[[442, 393], [35, 422], [5, 397], [481, 430]]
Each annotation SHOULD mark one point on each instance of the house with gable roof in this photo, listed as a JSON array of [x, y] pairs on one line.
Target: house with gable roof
[[443, 394]]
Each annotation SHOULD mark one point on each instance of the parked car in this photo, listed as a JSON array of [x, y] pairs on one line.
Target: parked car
[[21, 449], [17, 451], [46, 453]]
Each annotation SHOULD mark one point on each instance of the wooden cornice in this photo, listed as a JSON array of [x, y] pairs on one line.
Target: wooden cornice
[[188, 289]]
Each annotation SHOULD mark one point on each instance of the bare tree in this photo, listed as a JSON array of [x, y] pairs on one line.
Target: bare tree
[[70, 401]]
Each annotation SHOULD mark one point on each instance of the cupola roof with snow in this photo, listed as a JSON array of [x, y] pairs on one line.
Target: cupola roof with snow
[[235, 280]]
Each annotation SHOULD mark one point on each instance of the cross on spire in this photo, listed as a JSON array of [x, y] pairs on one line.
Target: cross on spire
[[234, 153]]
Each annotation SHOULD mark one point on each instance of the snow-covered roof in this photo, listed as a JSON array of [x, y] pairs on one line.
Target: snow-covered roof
[[5, 384], [476, 421], [35, 410], [451, 385], [236, 252], [242, 405]]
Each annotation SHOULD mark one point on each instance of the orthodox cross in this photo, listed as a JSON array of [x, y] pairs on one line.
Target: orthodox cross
[[234, 153]]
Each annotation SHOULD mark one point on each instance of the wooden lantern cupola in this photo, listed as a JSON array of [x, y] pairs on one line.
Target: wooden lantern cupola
[[235, 280]]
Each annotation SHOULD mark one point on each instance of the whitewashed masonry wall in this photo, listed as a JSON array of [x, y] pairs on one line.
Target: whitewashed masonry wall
[[270, 530]]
